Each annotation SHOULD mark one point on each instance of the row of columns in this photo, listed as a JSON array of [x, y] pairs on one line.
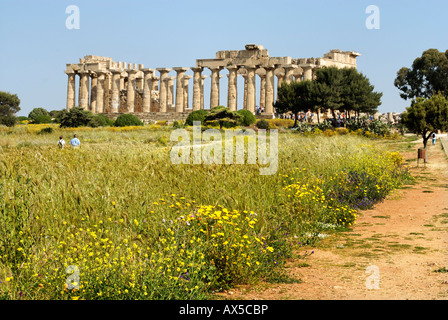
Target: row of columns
[[149, 83]]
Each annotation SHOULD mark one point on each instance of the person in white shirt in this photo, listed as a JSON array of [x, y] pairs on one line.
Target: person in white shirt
[[61, 143]]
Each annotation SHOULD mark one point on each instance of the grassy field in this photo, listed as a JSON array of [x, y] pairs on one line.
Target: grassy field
[[115, 219]]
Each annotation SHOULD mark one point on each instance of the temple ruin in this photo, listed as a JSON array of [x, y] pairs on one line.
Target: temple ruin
[[113, 88]]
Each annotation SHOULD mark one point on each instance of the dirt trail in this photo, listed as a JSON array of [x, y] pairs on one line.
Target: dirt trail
[[405, 238]]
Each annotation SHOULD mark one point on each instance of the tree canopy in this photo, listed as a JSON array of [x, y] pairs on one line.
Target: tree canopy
[[334, 88], [427, 76], [294, 97], [9, 105], [426, 116]]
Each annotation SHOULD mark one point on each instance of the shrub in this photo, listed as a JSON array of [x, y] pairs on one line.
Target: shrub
[[39, 115], [100, 120], [198, 115], [8, 120], [76, 117], [177, 124], [247, 117], [42, 118], [46, 130], [23, 118], [262, 124], [125, 120]]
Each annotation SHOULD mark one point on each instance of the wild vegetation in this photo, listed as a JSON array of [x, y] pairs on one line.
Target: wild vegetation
[[115, 219]]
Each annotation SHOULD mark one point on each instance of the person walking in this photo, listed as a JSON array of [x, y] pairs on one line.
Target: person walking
[[75, 141], [434, 137], [61, 143]]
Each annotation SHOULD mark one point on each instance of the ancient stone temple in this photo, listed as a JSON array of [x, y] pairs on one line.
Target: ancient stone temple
[[112, 88]]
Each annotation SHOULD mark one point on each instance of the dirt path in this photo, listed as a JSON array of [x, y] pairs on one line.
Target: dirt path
[[404, 240]]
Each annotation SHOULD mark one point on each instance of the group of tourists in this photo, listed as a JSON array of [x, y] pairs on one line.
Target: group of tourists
[[74, 142]]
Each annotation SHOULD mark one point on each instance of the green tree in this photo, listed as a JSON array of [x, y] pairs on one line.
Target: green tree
[[223, 117], [197, 115], [57, 115], [358, 94], [427, 76], [76, 117], [9, 105], [39, 115], [125, 120], [295, 97], [248, 117], [328, 89], [426, 116]]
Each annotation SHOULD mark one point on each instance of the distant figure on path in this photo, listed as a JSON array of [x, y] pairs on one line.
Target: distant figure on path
[[434, 137], [75, 141], [61, 143]]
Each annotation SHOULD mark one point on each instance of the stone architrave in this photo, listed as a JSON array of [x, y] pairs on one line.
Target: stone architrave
[[93, 91], [115, 99], [180, 88], [186, 93], [100, 92], [147, 87], [214, 92], [251, 88], [269, 104], [197, 73], [71, 90], [131, 90], [202, 91], [232, 94], [163, 88], [83, 100]]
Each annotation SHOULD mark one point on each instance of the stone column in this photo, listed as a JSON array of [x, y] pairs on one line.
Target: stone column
[[232, 94], [214, 94], [262, 90], [251, 88], [155, 83], [202, 91], [115, 103], [245, 91], [84, 90], [197, 72], [307, 72], [289, 70], [170, 91], [269, 104], [139, 82], [180, 88], [100, 92], [71, 90], [163, 88], [147, 87], [185, 87], [280, 79], [131, 90], [93, 91], [298, 77], [122, 87]]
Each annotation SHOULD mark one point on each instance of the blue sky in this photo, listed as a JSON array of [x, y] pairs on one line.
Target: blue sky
[[36, 45]]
